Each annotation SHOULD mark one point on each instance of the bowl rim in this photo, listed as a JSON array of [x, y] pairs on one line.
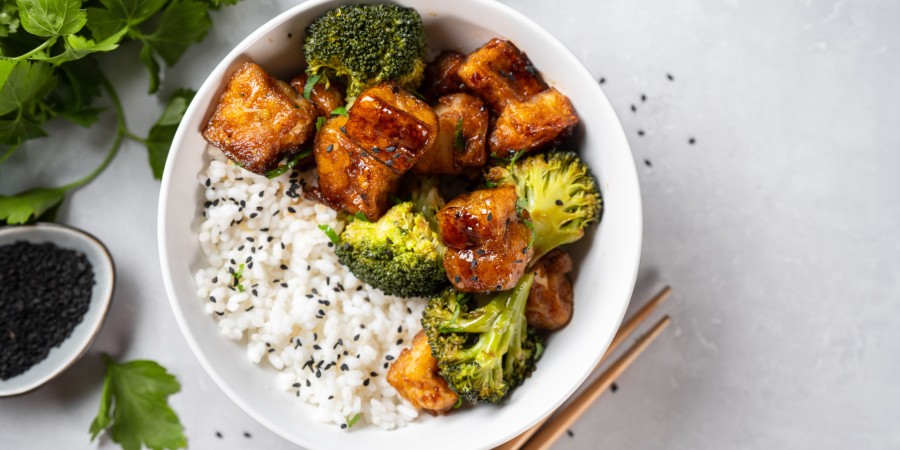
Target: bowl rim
[[105, 298], [211, 84]]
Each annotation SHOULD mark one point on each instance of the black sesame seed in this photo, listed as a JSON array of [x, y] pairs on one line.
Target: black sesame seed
[[219, 434], [329, 148], [315, 291], [670, 77], [633, 108], [390, 148], [296, 385], [247, 434], [207, 182], [365, 383], [318, 373], [317, 347], [261, 193], [570, 433], [692, 141], [356, 338], [212, 299], [640, 132], [291, 209], [601, 80], [643, 97], [614, 387], [345, 367], [389, 357], [253, 215], [284, 285], [399, 341], [499, 288], [648, 163], [386, 365], [490, 216], [457, 279], [559, 202]]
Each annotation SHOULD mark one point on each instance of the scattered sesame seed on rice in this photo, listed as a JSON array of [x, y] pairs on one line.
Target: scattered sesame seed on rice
[[273, 303]]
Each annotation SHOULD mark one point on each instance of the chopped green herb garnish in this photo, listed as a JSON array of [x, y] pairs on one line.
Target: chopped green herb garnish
[[360, 216], [419, 96], [352, 420], [319, 122], [459, 401], [310, 82], [530, 226], [459, 141], [291, 163], [330, 233], [339, 111], [489, 184]]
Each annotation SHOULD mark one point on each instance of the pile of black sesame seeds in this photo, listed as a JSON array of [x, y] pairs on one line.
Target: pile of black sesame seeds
[[45, 291]]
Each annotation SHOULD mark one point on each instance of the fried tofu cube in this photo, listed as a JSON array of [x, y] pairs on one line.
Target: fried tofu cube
[[460, 145], [415, 377], [549, 304], [392, 125], [326, 99], [537, 123], [488, 241], [441, 76], [350, 179], [499, 72], [259, 120]]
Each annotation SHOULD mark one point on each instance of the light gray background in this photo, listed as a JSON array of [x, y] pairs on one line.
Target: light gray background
[[778, 228]]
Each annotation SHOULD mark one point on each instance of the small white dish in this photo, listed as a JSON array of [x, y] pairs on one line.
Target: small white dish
[[70, 350]]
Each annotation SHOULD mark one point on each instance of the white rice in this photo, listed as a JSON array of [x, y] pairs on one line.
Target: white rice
[[297, 296]]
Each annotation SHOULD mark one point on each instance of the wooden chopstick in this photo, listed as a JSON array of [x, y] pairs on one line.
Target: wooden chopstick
[[624, 332], [559, 424]]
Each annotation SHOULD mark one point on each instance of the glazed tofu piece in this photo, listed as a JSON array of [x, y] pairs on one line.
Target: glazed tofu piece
[[326, 99], [415, 377], [350, 179], [392, 126], [549, 304], [259, 120], [488, 242], [463, 121], [499, 72], [537, 123], [441, 76]]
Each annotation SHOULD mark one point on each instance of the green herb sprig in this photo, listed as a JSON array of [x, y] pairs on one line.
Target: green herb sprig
[[48, 70]]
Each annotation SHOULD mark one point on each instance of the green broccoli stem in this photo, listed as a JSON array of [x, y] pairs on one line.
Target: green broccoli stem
[[505, 315]]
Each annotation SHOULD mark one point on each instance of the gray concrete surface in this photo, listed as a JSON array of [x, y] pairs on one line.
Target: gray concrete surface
[[777, 228]]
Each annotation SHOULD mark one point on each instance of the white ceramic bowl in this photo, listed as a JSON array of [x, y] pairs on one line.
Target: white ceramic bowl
[[607, 259], [70, 350]]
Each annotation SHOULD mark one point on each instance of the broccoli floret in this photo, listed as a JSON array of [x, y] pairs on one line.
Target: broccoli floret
[[482, 343], [365, 45], [399, 254], [559, 192]]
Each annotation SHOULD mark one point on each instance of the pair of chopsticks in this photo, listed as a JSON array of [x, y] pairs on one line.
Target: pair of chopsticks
[[546, 432]]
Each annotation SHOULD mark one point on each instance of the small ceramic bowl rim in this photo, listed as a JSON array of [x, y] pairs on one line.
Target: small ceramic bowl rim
[[104, 300]]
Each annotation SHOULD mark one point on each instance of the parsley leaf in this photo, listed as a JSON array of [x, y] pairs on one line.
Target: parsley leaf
[[339, 111], [77, 47], [310, 82], [352, 420], [160, 137], [25, 83], [134, 406], [19, 208], [9, 19], [79, 85], [132, 12], [319, 122], [330, 233], [51, 18], [291, 163], [182, 23], [459, 141]]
